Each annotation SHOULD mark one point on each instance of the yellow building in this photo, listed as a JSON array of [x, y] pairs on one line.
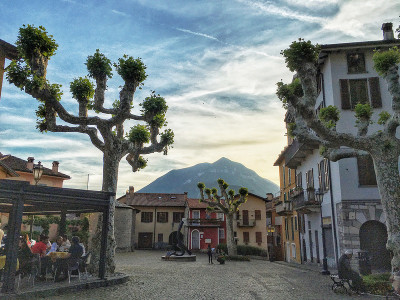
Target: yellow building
[[158, 217], [250, 226], [284, 208]]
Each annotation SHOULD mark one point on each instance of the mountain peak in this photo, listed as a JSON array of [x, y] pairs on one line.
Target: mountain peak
[[234, 173]]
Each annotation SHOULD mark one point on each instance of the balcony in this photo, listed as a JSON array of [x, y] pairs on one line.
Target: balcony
[[204, 222], [297, 152], [284, 208], [305, 202], [246, 222]]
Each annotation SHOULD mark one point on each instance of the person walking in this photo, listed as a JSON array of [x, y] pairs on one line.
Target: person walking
[[209, 252]]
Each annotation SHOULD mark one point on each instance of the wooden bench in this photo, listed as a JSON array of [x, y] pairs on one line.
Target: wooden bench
[[340, 284]]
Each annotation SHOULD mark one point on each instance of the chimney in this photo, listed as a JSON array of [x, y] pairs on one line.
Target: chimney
[[387, 29], [55, 166], [131, 190], [270, 196], [29, 164]]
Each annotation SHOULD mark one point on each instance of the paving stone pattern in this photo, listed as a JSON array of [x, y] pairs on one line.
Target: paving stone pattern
[[152, 278]]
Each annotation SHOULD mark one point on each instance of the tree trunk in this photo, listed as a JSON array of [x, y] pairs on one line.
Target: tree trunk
[[230, 240], [110, 178], [387, 176]]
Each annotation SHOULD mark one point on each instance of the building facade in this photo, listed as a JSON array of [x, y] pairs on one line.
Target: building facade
[[338, 203], [250, 226], [157, 219], [203, 227]]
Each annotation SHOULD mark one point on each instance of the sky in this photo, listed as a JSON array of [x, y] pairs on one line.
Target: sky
[[216, 62]]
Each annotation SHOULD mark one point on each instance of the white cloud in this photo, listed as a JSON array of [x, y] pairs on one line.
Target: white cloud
[[119, 13], [197, 33], [314, 4]]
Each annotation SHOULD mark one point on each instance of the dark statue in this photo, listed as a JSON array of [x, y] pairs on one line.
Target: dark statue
[[180, 246]]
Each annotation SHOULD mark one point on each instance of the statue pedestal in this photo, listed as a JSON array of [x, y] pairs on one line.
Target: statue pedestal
[[179, 258]]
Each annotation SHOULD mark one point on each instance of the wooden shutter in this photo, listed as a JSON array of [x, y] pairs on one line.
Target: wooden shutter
[[257, 214], [375, 92], [366, 171], [321, 175], [344, 93], [246, 237], [326, 173]]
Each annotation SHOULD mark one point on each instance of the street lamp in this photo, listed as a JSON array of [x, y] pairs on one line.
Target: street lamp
[[319, 196], [37, 172]]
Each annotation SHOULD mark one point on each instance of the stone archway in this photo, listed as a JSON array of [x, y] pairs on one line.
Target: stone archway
[[373, 238], [172, 238]]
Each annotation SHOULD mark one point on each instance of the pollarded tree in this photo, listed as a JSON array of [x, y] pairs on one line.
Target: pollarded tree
[[299, 97], [106, 127], [227, 203]]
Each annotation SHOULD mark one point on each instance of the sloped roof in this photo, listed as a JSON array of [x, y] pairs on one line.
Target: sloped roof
[[194, 203], [154, 199], [18, 164]]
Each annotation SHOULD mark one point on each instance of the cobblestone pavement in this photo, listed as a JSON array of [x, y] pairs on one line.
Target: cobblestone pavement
[[152, 278]]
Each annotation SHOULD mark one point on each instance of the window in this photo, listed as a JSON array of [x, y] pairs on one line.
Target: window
[[258, 237], [246, 237], [299, 179], [257, 214], [177, 217], [353, 91], [221, 233], [286, 229], [366, 171], [220, 216], [295, 223], [160, 238], [289, 176], [355, 63], [310, 185], [147, 217], [162, 217]]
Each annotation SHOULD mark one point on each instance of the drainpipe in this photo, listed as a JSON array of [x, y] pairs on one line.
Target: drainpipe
[[154, 229], [333, 216]]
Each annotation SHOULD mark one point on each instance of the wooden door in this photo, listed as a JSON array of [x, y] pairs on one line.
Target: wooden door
[[145, 240]]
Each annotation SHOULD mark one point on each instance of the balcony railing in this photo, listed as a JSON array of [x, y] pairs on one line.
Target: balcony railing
[[284, 208], [204, 222], [305, 202], [246, 222]]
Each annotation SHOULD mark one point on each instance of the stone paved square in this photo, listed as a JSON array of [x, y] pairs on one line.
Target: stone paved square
[[152, 278]]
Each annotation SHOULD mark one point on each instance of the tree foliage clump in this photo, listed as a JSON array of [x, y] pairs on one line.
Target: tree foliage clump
[[298, 52], [329, 116], [384, 60]]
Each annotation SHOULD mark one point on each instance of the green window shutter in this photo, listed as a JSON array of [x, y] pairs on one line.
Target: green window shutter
[[344, 93], [375, 92]]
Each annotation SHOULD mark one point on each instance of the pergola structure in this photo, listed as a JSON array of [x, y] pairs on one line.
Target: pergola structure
[[19, 198]]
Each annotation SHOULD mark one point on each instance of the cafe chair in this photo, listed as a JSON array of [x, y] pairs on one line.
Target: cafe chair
[[85, 261], [73, 265]]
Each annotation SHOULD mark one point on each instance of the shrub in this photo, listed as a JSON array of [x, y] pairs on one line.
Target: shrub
[[250, 250], [223, 248], [237, 258], [378, 284]]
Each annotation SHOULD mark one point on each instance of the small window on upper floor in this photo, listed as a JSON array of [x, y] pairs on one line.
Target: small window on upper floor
[[356, 63]]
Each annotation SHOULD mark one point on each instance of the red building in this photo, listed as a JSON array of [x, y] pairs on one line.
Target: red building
[[203, 227]]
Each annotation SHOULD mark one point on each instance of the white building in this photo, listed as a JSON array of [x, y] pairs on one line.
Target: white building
[[351, 213]]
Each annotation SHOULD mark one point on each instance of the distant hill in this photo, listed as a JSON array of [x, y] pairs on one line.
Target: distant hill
[[235, 174]]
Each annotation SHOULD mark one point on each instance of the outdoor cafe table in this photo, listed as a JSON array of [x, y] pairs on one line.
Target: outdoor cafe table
[[3, 262], [55, 255]]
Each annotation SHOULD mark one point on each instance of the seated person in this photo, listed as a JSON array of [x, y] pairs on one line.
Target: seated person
[[25, 257], [56, 245], [74, 254], [41, 248], [65, 244], [345, 271]]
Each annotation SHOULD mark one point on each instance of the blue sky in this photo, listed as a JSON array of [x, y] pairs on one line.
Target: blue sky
[[216, 62]]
